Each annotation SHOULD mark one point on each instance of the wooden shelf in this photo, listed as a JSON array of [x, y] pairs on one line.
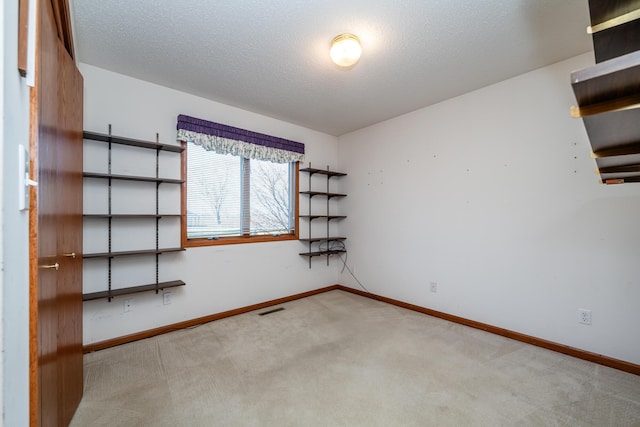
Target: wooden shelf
[[321, 193], [323, 239], [312, 171], [94, 136], [327, 217], [315, 242], [109, 293], [615, 27], [131, 178], [130, 253], [605, 10], [607, 82], [321, 253], [131, 216], [131, 290], [604, 42], [620, 169], [608, 98]]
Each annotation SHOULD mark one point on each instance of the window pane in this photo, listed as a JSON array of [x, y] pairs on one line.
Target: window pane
[[270, 200], [230, 196], [213, 193]]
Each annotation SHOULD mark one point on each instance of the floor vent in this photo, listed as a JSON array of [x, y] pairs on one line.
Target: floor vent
[[275, 310]]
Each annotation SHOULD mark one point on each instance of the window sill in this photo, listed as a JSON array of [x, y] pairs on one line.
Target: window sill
[[194, 243]]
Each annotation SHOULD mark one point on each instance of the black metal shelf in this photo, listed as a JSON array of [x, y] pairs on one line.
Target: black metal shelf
[[608, 93], [329, 173], [323, 239], [132, 216], [130, 253], [95, 136], [614, 27], [321, 253], [312, 241], [109, 293], [328, 217], [131, 290], [131, 178], [322, 193]]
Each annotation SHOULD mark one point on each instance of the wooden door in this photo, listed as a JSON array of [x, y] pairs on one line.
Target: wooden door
[[55, 229], [69, 235], [45, 99]]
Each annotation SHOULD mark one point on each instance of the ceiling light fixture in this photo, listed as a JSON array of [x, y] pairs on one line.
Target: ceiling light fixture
[[345, 50]]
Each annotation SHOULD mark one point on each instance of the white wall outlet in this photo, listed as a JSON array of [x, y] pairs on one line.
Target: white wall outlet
[[584, 316], [166, 298], [127, 305], [433, 287]]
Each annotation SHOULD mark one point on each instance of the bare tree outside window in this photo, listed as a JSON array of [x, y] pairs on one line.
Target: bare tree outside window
[[231, 196], [214, 192], [270, 207]]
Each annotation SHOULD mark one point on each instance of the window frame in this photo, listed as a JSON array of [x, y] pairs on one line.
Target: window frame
[[195, 242]]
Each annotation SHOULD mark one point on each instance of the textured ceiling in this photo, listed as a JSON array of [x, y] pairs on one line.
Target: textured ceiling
[[271, 57]]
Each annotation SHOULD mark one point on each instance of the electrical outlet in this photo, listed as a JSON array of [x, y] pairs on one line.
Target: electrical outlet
[[127, 305], [166, 298], [584, 316], [433, 287]]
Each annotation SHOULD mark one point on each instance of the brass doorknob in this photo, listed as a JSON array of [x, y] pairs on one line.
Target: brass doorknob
[[71, 255], [56, 266]]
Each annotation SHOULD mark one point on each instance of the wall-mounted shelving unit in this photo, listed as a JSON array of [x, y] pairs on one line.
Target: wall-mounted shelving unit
[[315, 243], [608, 94], [113, 218]]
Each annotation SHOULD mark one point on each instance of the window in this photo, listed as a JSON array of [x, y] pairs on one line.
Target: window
[[234, 196], [237, 192]]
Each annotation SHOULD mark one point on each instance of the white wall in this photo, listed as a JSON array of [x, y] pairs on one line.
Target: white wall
[[217, 278], [492, 196], [14, 256], [2, 126]]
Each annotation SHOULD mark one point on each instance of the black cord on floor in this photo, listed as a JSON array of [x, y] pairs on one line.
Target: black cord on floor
[[337, 245], [351, 272]]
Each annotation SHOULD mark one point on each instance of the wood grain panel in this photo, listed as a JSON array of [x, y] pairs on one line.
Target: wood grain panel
[[63, 24], [608, 95], [607, 81], [604, 10], [69, 235], [616, 41], [55, 353], [613, 130], [183, 195], [23, 31], [46, 98], [33, 264]]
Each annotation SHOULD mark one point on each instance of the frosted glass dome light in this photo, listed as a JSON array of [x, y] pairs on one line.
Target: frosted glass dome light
[[345, 50]]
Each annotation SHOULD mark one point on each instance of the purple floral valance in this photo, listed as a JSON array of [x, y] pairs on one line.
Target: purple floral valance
[[225, 139]]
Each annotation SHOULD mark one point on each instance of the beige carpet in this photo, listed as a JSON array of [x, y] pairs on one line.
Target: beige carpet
[[339, 359]]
